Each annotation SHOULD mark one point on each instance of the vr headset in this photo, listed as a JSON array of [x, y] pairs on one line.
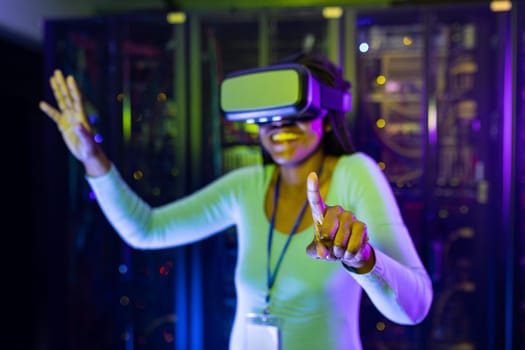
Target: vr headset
[[278, 92]]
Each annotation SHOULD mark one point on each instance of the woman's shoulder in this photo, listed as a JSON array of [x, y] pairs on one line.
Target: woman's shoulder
[[357, 169], [360, 175], [246, 171], [357, 160]]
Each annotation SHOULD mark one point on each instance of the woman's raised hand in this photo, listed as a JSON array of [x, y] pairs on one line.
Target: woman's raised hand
[[72, 122], [339, 236], [70, 116]]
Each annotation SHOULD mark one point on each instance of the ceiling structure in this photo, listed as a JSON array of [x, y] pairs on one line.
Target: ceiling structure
[[22, 20], [259, 4]]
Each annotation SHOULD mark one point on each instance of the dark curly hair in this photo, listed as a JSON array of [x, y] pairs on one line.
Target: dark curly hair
[[338, 140]]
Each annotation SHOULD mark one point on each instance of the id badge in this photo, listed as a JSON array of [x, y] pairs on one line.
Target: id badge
[[262, 332]]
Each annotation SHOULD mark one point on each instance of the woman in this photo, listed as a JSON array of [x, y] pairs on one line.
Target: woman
[[302, 264]]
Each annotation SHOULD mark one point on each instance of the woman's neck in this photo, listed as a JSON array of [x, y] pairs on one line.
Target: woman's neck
[[294, 175]]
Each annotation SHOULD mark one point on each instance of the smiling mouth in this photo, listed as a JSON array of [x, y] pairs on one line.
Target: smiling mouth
[[284, 136]]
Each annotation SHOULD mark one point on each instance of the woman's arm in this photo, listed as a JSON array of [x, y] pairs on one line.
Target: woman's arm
[[186, 220], [182, 221], [398, 284]]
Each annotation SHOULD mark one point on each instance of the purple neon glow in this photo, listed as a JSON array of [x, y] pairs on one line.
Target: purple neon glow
[[432, 121], [507, 136]]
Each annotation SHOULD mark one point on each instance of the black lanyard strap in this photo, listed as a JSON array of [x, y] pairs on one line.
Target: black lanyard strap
[[272, 276]]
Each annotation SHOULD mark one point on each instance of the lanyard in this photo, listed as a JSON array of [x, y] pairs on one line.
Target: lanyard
[[272, 276]]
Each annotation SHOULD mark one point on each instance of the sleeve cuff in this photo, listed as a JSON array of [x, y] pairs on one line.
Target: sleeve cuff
[[373, 278]]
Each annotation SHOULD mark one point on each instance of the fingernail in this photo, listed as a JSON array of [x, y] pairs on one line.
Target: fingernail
[[338, 251], [348, 256]]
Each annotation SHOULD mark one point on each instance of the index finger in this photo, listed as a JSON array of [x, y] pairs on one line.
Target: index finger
[[314, 198]]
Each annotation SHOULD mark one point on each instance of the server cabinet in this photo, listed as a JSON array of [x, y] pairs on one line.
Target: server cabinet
[[430, 112], [120, 298]]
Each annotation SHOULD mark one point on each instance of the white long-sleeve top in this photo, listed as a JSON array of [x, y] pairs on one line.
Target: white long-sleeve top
[[318, 301]]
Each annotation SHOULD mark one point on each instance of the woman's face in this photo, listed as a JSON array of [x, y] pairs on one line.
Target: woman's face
[[291, 143]]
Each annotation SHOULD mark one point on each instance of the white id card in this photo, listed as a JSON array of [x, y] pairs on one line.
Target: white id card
[[262, 332]]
